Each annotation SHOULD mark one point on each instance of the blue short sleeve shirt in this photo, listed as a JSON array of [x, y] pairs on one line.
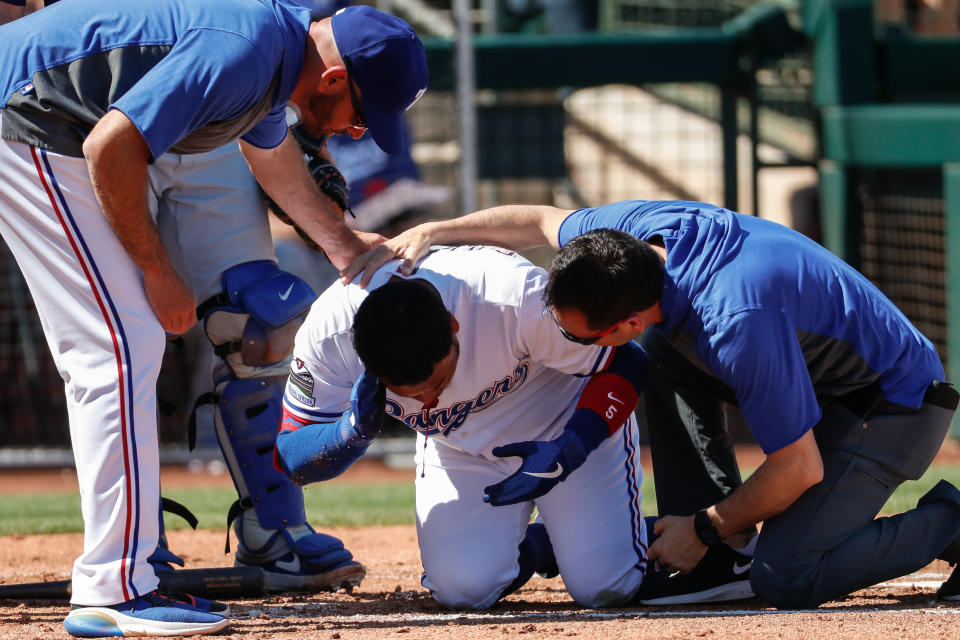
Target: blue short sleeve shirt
[[777, 317], [190, 74]]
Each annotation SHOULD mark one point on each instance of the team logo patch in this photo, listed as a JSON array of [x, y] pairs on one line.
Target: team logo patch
[[298, 396], [25, 89], [303, 381], [300, 383]]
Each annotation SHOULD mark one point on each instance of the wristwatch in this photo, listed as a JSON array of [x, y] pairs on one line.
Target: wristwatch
[[705, 528]]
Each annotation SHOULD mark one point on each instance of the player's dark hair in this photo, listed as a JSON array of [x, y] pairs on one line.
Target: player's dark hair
[[606, 275], [401, 331]]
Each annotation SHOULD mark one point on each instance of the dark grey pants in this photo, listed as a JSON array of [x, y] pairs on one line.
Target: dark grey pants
[[827, 543]]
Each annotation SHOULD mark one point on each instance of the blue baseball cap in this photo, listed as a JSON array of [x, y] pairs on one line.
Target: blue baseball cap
[[385, 59]]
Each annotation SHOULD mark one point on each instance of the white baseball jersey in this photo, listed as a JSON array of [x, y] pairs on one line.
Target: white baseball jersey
[[517, 378], [513, 378]]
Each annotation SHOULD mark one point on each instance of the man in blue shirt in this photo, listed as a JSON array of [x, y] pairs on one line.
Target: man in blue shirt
[[846, 398], [103, 119]]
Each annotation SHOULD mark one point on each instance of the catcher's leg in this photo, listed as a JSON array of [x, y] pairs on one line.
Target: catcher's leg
[[252, 324], [214, 223]]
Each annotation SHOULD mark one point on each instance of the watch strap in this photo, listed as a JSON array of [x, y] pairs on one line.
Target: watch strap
[[705, 529]]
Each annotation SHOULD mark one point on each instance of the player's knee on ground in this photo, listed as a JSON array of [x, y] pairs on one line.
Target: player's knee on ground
[[460, 586], [782, 588], [610, 590]]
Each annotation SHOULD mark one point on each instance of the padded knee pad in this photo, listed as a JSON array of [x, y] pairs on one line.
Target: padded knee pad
[[252, 323], [247, 417]]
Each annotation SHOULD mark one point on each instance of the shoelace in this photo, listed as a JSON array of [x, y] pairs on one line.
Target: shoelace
[[166, 597]]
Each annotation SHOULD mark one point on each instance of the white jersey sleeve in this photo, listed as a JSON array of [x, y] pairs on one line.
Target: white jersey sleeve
[[324, 365]]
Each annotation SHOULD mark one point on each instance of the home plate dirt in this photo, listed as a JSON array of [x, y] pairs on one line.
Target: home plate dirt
[[390, 603]]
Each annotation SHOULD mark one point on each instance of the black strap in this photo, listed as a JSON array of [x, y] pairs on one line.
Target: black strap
[[219, 300], [236, 509], [210, 397], [177, 509], [226, 348]]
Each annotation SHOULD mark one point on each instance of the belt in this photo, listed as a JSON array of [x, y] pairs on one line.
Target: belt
[[868, 401]]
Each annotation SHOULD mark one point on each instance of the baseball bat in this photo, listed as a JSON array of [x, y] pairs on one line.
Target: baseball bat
[[228, 582]]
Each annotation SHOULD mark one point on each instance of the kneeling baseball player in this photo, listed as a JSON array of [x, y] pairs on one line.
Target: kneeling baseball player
[[466, 354]]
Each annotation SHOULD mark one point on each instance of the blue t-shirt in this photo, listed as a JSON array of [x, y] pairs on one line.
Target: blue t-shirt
[[777, 317], [190, 74]]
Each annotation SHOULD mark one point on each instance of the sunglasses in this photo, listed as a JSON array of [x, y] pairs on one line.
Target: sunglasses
[[359, 122], [578, 339]]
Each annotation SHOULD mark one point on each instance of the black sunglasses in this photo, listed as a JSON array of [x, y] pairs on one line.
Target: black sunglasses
[[578, 339], [360, 122]]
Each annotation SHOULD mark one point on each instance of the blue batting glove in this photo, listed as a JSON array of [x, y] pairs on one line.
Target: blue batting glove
[[368, 400], [545, 463]]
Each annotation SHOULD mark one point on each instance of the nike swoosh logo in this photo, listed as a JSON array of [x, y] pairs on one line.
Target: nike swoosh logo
[[293, 566], [615, 398], [549, 474], [286, 294], [741, 569]]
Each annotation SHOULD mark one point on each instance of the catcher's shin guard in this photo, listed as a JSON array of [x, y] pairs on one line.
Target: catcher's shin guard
[[272, 532], [247, 416], [252, 325]]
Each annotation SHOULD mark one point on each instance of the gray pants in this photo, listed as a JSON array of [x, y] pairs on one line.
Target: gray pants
[[828, 542]]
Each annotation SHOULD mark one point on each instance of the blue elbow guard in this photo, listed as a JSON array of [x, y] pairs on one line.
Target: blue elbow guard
[[320, 451]]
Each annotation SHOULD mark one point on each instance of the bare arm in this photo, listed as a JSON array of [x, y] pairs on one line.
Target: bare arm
[[776, 484], [10, 12], [283, 174], [513, 226], [117, 157]]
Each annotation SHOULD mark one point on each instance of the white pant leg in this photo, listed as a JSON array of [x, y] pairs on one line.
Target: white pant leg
[[107, 345], [469, 549], [596, 525], [210, 214]]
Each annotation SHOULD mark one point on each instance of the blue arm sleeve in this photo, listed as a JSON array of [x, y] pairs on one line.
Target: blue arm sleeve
[[320, 451], [630, 362], [587, 423]]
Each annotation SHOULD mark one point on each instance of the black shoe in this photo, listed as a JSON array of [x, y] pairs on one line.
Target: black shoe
[[721, 576], [548, 562], [950, 590]]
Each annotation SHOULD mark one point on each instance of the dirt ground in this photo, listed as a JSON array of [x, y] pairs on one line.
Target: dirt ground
[[391, 601]]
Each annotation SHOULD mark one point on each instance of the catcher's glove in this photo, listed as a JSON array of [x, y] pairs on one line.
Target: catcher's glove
[[325, 174]]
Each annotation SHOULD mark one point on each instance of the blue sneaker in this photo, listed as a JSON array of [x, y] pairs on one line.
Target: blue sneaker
[[163, 569], [149, 615], [208, 606]]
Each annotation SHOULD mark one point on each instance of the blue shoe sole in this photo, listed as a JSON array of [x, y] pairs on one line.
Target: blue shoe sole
[[100, 622], [91, 625]]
